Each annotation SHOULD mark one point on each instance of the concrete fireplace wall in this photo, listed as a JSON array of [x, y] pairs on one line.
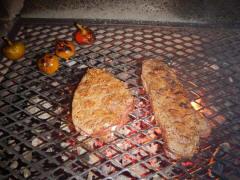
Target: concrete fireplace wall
[[194, 11]]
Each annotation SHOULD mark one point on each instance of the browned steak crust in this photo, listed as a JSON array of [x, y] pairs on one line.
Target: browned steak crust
[[181, 124], [100, 102]]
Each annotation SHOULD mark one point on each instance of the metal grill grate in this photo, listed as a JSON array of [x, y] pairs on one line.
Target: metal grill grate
[[38, 140]]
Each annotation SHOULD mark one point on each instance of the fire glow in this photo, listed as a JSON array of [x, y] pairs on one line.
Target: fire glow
[[196, 104], [199, 106]]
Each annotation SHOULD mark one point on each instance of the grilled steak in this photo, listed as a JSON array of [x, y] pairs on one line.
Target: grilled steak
[[101, 103], [181, 125]]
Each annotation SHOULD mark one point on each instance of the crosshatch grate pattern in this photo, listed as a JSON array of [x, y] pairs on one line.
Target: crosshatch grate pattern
[[37, 138]]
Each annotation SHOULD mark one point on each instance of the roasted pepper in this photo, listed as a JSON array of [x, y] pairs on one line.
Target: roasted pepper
[[48, 64], [65, 49], [84, 36], [14, 50]]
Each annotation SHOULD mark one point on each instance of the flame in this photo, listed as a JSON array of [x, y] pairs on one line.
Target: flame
[[211, 161], [196, 104]]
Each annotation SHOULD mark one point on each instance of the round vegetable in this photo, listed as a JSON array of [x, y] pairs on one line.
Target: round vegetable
[[84, 36], [14, 50], [65, 49], [48, 64]]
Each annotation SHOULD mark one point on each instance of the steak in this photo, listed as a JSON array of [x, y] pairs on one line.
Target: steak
[[101, 104], [181, 125]]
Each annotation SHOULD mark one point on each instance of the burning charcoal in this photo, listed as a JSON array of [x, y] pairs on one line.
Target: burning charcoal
[[71, 63], [215, 67], [220, 119], [141, 139], [41, 129], [216, 168], [140, 154], [157, 177], [14, 165], [108, 168], [154, 133], [171, 171], [125, 176], [64, 158], [230, 79], [225, 146], [91, 175], [91, 158], [28, 156], [44, 116], [94, 143], [126, 131], [65, 128], [81, 138], [36, 142], [11, 141], [58, 110], [64, 144], [46, 105], [32, 109], [80, 150], [125, 145], [140, 125], [126, 160], [188, 164], [143, 113], [50, 150], [153, 148], [152, 120], [109, 153], [123, 76], [26, 172], [140, 170], [98, 143], [112, 138], [122, 177], [17, 148], [153, 163]]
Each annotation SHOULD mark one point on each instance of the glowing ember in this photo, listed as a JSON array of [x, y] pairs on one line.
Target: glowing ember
[[109, 153], [153, 148], [98, 143], [211, 161], [141, 139], [153, 162], [127, 160], [141, 125], [125, 145], [188, 164], [154, 133], [196, 104]]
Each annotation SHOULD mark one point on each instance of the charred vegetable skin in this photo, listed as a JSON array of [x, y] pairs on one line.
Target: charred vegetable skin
[[65, 49], [48, 64], [84, 36], [14, 50]]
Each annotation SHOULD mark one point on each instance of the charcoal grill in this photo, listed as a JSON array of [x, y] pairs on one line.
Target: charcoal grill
[[38, 140]]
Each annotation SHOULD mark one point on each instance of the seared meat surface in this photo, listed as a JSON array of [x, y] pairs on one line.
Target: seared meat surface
[[101, 103], [181, 125]]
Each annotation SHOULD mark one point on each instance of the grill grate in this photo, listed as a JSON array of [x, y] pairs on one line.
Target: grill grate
[[38, 139]]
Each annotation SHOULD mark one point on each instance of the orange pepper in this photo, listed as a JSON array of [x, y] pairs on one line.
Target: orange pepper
[[65, 49], [48, 64]]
